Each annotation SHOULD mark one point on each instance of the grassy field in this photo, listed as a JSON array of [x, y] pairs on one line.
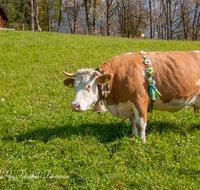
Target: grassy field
[[44, 145]]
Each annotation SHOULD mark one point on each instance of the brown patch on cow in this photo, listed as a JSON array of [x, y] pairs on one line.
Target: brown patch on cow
[[69, 82], [175, 74], [128, 83]]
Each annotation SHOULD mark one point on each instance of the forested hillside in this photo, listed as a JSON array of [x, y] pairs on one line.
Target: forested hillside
[[154, 19]]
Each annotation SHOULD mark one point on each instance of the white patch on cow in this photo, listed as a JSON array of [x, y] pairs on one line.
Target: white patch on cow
[[121, 110], [176, 104], [86, 99], [129, 111], [197, 100], [173, 106], [82, 72], [143, 125], [198, 82], [196, 51], [140, 122]]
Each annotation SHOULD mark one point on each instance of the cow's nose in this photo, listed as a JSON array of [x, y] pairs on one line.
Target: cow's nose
[[75, 107]]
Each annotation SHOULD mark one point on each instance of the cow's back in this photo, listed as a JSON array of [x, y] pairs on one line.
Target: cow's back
[[177, 74], [177, 77]]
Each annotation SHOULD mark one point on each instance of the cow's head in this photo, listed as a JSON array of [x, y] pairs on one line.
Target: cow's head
[[86, 86]]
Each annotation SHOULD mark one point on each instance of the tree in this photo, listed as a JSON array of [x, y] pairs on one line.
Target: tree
[[36, 16], [150, 15], [60, 16], [88, 4], [72, 8], [32, 16], [94, 15], [49, 16], [45, 13], [131, 16], [111, 7], [195, 21], [18, 11]]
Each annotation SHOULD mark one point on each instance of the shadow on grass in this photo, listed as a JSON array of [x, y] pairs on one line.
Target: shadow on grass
[[181, 128], [105, 133]]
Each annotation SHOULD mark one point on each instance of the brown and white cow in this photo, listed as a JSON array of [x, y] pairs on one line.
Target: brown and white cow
[[177, 76]]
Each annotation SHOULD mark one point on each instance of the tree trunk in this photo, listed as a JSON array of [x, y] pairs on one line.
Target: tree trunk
[[36, 17], [49, 15], [124, 19], [94, 16], [74, 32], [32, 17], [197, 27], [60, 16], [87, 17], [107, 17], [183, 21], [101, 27], [194, 21], [170, 19], [126, 23], [167, 19], [162, 24], [70, 24], [150, 14]]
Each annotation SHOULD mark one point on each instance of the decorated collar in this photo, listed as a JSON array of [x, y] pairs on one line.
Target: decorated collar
[[104, 89], [153, 92]]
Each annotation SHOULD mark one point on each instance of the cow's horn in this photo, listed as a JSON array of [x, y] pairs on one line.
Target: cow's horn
[[69, 74]]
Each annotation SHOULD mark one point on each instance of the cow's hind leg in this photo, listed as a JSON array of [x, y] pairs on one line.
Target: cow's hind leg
[[133, 125], [140, 121]]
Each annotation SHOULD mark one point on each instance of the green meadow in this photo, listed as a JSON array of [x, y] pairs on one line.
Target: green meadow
[[44, 145]]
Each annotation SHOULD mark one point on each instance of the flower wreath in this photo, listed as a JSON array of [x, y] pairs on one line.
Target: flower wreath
[[153, 92], [104, 89]]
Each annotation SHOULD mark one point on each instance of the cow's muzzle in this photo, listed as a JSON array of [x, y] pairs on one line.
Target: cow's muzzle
[[76, 107]]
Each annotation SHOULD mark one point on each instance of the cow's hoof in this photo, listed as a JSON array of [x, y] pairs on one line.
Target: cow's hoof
[[143, 140]]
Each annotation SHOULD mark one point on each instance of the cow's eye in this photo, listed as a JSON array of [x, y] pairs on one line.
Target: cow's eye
[[89, 87]]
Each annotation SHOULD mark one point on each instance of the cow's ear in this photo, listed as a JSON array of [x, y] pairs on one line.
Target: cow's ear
[[105, 78], [69, 82]]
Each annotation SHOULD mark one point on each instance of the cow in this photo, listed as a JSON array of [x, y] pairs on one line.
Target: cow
[[176, 74]]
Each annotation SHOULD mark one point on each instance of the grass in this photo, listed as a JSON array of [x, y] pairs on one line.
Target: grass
[[44, 145]]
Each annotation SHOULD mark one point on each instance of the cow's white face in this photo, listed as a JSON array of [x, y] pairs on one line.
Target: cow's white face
[[86, 90], [86, 87]]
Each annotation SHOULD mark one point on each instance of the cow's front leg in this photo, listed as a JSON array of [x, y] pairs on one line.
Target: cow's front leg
[[141, 120], [141, 126], [133, 125]]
